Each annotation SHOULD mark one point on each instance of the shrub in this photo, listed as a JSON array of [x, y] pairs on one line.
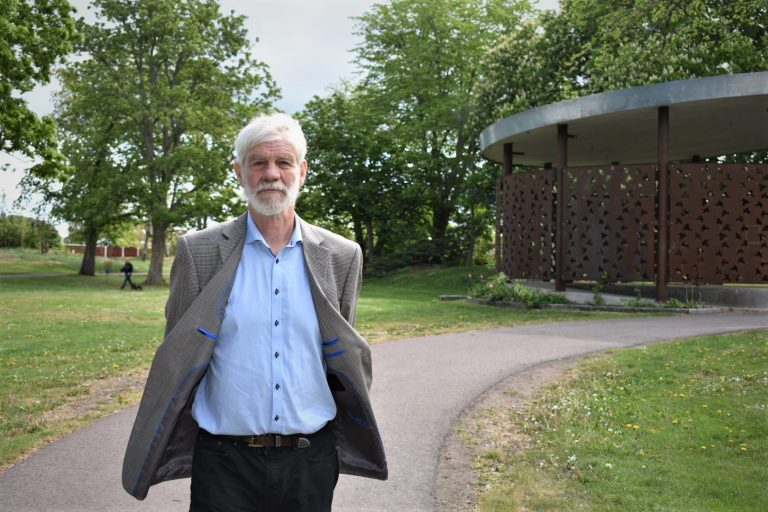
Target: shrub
[[498, 289]]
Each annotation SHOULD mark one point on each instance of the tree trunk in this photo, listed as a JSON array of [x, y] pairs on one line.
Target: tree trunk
[[357, 228], [369, 241], [155, 275], [441, 214], [472, 237], [145, 251], [88, 266]]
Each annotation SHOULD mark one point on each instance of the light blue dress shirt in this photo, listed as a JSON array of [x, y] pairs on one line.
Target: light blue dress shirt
[[267, 373]]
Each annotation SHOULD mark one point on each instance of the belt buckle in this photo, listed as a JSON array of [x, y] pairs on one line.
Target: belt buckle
[[256, 442]]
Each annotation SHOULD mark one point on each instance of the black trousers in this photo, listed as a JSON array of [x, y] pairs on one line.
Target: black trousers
[[228, 476], [127, 280]]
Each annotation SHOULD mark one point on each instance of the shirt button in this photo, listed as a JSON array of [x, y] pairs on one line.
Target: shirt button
[[277, 386], [277, 260], [277, 418], [277, 291], [277, 354], [277, 322]]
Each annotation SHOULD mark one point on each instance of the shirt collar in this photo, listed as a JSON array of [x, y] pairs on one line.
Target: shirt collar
[[253, 234]]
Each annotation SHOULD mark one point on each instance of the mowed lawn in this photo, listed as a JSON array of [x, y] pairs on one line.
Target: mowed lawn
[[74, 348], [668, 427]]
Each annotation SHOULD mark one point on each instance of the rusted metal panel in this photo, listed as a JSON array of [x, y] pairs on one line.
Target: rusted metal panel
[[526, 224], [719, 223], [609, 223]]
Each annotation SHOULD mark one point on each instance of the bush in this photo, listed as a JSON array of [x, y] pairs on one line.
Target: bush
[[498, 289], [494, 289], [675, 303]]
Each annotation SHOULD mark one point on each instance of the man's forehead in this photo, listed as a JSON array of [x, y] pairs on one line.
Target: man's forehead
[[280, 147]]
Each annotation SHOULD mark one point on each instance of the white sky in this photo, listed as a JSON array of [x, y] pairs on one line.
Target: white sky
[[306, 44]]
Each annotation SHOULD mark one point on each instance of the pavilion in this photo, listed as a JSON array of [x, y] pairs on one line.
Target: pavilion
[[631, 186]]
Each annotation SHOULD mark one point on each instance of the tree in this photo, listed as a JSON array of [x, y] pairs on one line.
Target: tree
[[421, 60], [21, 231], [592, 46], [36, 35], [354, 179], [88, 189], [181, 81]]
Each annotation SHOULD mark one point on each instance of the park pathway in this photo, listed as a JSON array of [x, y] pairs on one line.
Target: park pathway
[[420, 387]]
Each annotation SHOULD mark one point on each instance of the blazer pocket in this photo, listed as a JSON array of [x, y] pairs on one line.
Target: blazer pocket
[[208, 334], [331, 348]]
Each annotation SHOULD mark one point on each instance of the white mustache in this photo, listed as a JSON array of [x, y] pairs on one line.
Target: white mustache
[[270, 186]]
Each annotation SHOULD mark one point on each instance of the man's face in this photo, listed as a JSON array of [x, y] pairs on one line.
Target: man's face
[[271, 176]]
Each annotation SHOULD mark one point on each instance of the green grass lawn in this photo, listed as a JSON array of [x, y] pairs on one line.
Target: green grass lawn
[[62, 338], [407, 304], [27, 261], [668, 427]]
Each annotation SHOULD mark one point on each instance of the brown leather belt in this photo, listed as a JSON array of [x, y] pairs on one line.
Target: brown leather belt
[[265, 441]]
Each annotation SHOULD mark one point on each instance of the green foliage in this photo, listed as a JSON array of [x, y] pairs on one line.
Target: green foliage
[[420, 60], [21, 231], [677, 303], [354, 179], [498, 289], [591, 46], [36, 35], [154, 100], [639, 302], [495, 288], [597, 294], [648, 429]]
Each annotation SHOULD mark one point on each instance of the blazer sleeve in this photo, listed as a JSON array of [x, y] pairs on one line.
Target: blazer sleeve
[[351, 290], [184, 285]]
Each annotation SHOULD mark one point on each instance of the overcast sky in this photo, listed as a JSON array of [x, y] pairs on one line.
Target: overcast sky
[[306, 44]]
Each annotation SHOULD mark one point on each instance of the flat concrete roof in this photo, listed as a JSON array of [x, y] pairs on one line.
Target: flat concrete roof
[[708, 116]]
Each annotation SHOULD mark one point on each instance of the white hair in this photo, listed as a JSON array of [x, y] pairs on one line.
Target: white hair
[[271, 127]]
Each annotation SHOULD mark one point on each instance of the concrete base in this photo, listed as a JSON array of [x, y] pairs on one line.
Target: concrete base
[[731, 296]]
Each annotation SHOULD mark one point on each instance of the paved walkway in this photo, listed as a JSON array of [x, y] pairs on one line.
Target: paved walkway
[[420, 388]]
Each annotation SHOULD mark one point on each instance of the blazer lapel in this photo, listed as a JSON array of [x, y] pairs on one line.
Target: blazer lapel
[[232, 235], [318, 261]]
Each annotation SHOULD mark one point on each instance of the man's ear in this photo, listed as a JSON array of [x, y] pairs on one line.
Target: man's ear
[[303, 172], [238, 171]]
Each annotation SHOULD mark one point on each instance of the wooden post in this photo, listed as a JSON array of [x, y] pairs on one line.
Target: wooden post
[[662, 248], [508, 161], [562, 163], [507, 165]]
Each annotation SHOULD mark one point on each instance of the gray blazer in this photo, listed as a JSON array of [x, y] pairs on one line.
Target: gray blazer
[[164, 433]]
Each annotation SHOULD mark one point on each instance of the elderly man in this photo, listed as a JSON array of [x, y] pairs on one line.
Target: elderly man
[[259, 391]]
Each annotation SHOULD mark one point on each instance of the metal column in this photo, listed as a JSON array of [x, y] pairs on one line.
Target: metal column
[[662, 247], [562, 163]]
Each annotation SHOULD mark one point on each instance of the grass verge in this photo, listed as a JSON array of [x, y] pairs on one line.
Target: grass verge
[[668, 427], [407, 304], [65, 339]]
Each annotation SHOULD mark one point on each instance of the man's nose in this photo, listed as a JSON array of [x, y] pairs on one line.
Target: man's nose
[[272, 172]]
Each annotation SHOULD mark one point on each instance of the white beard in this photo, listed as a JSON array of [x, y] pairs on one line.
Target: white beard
[[272, 203]]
